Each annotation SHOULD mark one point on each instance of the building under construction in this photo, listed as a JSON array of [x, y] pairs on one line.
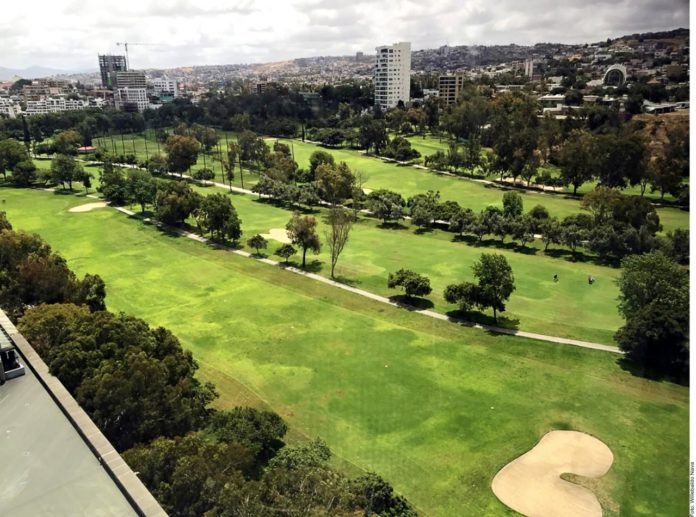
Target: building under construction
[[108, 66]]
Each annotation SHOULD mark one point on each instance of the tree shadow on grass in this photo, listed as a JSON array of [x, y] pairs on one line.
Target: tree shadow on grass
[[647, 373], [313, 266], [392, 226], [421, 231], [352, 282], [580, 257], [411, 302], [475, 317]]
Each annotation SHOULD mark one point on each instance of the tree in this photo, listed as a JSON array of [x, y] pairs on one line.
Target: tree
[[678, 245], [495, 281], [377, 497], [140, 188], [11, 153], [24, 173], [302, 232], [219, 217], [600, 203], [258, 243], [283, 168], [412, 283], [205, 135], [182, 152], [462, 220], [466, 295], [400, 149], [92, 292], [573, 234], [318, 158], [668, 169], [539, 215], [233, 157], [64, 169], [335, 183], [340, 224], [578, 158], [551, 232], [386, 205], [113, 184], [654, 299], [522, 230], [204, 175], [424, 208], [261, 432], [253, 150], [372, 134], [512, 205], [67, 142], [175, 201], [157, 165], [621, 160], [286, 251]]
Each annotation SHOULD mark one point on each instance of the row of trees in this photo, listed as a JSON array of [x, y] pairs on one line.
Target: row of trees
[[139, 387], [616, 225], [495, 284]]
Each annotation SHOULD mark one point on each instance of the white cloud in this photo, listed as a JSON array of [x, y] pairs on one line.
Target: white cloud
[[68, 34]]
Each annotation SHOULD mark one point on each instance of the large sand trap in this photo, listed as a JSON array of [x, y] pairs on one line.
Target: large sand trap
[[532, 485], [87, 207], [277, 234]]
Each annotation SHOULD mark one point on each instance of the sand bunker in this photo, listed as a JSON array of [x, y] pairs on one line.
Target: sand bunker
[[277, 234], [366, 190], [532, 485], [87, 207]]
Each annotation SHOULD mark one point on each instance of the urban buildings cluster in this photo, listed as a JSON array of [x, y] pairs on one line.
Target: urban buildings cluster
[[547, 70], [119, 88]]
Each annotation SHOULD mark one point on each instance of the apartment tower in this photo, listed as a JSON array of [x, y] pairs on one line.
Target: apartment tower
[[392, 75]]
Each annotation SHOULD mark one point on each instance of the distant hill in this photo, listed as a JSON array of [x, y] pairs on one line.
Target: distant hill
[[33, 72]]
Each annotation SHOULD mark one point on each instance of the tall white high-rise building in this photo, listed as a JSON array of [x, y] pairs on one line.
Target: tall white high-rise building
[[393, 74]]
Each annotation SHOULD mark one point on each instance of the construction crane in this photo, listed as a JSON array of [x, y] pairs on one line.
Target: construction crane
[[125, 46]]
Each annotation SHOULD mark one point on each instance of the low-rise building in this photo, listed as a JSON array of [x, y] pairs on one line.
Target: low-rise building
[[165, 87], [54, 105]]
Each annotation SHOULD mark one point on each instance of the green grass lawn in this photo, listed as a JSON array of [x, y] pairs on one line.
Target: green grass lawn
[[435, 408], [409, 181], [569, 308]]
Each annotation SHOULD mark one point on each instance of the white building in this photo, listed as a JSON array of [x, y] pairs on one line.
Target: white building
[[392, 75], [165, 86], [9, 107], [54, 105], [131, 99]]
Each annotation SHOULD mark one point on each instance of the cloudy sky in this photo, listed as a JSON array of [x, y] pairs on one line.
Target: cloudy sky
[[67, 34]]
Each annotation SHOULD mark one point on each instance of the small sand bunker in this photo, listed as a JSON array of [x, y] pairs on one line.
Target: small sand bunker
[[87, 207], [367, 190], [532, 485], [277, 234]]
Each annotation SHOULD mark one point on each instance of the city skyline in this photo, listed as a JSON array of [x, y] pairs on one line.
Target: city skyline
[[186, 33]]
